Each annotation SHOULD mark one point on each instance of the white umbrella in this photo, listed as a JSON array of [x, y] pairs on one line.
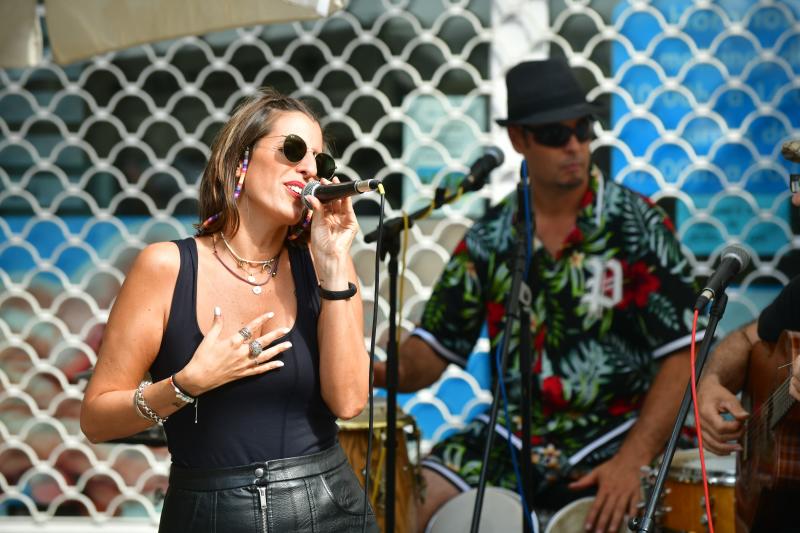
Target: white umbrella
[[79, 29]]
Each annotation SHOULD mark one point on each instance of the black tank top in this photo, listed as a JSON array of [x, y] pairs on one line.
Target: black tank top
[[271, 416]]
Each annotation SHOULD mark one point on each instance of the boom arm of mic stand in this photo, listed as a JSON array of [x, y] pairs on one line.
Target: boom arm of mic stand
[[646, 523], [393, 226]]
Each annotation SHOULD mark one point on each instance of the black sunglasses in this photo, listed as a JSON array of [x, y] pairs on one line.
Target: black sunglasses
[[295, 149], [557, 135]]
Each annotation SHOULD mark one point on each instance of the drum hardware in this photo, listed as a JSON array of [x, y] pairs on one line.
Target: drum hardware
[[681, 505]]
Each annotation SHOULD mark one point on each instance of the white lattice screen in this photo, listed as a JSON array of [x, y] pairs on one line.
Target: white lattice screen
[[102, 157]]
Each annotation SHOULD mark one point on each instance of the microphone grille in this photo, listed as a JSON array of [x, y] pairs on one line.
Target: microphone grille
[[310, 186], [495, 153], [737, 252]]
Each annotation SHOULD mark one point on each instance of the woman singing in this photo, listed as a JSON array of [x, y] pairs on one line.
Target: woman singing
[[252, 334]]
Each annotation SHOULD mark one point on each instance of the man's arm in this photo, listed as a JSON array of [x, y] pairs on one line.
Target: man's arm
[[618, 479], [721, 380], [418, 366]]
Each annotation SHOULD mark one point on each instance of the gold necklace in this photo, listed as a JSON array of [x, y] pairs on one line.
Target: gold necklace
[[250, 280], [266, 263]]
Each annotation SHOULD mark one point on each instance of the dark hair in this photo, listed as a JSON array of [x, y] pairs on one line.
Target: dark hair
[[253, 119]]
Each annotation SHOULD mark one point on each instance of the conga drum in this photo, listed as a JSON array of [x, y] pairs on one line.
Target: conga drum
[[501, 513], [572, 517], [354, 437], [684, 497]]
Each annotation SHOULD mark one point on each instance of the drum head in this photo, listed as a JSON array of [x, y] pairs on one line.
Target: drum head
[[361, 421], [502, 512], [685, 468], [572, 517]]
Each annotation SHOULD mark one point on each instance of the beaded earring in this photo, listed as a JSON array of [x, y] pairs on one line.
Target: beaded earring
[[305, 220], [241, 172]]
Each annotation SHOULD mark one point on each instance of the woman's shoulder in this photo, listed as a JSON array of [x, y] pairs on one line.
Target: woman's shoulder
[[159, 260]]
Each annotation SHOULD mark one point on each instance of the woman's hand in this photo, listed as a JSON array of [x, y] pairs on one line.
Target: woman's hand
[[333, 228], [219, 360]]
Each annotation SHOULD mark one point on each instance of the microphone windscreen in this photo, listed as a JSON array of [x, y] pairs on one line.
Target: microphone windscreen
[[495, 153], [734, 250]]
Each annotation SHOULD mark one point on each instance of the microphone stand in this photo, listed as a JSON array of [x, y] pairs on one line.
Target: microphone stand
[[646, 523], [390, 243], [517, 309]]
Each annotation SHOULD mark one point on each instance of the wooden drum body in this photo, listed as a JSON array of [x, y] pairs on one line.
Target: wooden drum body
[[685, 499], [354, 437]]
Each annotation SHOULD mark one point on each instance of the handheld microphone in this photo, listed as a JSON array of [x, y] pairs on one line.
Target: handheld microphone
[[480, 169], [791, 151], [733, 260], [334, 191]]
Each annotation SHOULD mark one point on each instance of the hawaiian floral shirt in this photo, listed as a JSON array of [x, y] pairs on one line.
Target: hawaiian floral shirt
[[618, 296]]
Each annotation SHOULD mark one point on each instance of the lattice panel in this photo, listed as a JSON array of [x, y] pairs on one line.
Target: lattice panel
[[102, 157]]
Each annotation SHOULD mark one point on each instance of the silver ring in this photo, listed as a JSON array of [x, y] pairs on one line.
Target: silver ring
[[245, 333], [255, 348]]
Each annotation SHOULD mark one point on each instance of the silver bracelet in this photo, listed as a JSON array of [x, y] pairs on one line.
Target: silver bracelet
[[141, 404], [136, 406]]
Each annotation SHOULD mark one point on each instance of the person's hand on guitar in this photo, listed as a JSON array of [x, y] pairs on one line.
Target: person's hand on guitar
[[720, 432], [794, 383]]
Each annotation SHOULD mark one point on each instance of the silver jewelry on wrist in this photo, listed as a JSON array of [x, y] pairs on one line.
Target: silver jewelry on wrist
[[143, 407], [136, 406], [181, 394]]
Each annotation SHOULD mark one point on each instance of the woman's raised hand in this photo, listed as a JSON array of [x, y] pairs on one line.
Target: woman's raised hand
[[334, 225]]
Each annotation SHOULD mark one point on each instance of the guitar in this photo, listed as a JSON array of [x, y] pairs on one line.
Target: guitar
[[768, 467]]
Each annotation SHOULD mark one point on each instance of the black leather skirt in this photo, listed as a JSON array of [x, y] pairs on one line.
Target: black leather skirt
[[314, 493]]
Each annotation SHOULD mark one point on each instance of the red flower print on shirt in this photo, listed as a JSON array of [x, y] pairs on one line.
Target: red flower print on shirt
[[588, 198], [538, 350], [638, 284], [668, 223], [553, 393], [621, 406], [574, 238], [494, 316]]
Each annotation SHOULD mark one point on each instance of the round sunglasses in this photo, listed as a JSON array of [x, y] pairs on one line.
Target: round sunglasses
[[295, 149], [557, 135]]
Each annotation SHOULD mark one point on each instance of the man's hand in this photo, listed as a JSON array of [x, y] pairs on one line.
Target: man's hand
[[794, 384], [714, 400], [618, 483]]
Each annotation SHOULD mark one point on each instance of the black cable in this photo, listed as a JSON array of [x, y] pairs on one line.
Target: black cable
[[372, 366]]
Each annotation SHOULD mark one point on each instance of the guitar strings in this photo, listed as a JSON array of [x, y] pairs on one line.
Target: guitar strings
[[779, 399]]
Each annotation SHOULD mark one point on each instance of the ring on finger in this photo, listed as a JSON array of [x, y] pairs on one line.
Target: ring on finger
[[255, 348], [245, 333]]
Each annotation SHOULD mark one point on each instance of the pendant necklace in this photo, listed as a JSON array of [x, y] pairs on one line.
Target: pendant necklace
[[270, 266]]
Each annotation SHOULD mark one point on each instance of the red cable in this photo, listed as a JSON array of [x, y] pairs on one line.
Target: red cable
[[699, 427]]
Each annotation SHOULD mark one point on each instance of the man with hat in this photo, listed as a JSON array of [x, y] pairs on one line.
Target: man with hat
[[610, 321]]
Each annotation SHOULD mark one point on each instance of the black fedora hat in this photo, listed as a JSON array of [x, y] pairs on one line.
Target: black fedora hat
[[542, 92]]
